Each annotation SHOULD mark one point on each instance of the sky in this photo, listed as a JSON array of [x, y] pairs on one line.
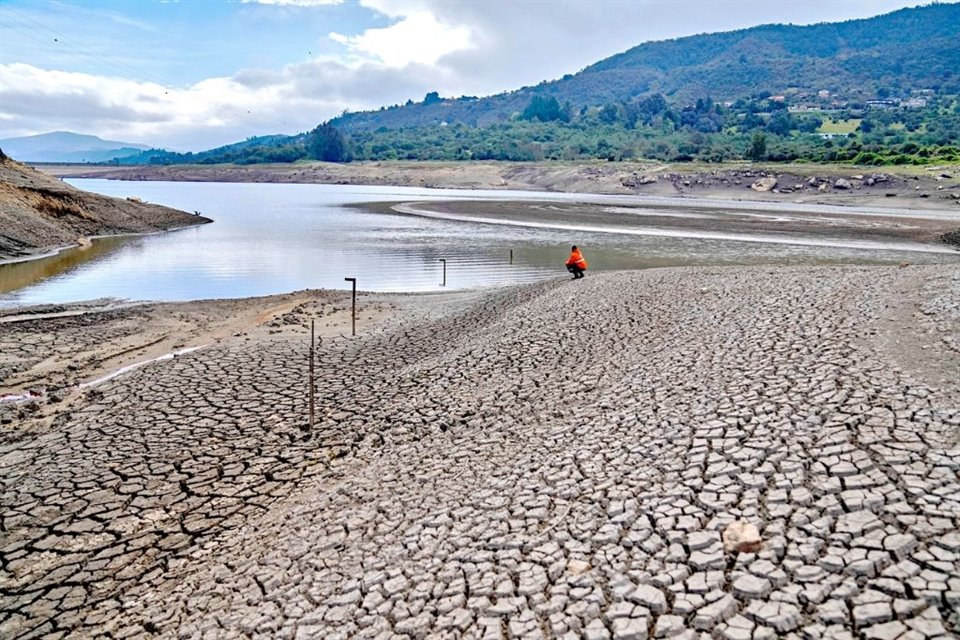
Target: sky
[[195, 74]]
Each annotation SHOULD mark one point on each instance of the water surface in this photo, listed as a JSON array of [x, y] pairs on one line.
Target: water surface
[[273, 238]]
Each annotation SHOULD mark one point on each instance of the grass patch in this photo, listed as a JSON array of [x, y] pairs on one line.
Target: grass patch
[[839, 126]]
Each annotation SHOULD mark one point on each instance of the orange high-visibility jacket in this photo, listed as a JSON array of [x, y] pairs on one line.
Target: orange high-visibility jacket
[[576, 260]]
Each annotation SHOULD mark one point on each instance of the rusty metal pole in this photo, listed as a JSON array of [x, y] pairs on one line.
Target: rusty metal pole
[[313, 386], [353, 310], [443, 260]]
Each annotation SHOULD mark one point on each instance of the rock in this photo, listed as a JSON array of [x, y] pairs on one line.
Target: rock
[[824, 187], [841, 184], [764, 184], [741, 536]]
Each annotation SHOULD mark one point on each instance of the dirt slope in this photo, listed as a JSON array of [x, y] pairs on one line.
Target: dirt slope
[[39, 213]]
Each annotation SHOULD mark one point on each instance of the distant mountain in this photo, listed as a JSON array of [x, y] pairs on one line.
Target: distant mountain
[[65, 146], [916, 48]]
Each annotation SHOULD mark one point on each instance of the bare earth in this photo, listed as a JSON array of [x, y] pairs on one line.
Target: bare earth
[[40, 214], [554, 460], [928, 187]]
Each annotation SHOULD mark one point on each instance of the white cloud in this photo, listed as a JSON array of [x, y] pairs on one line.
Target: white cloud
[[295, 3], [209, 113], [468, 47], [418, 37]]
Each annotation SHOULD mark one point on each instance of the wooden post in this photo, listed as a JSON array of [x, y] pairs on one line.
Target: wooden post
[[353, 310], [443, 260], [313, 386], [511, 256]]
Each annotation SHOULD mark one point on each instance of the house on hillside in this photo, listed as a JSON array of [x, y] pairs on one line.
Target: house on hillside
[[915, 103], [882, 104]]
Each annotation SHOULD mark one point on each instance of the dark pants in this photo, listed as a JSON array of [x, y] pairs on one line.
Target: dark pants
[[575, 270]]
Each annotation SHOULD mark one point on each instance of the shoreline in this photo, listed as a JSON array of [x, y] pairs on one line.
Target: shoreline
[[816, 403], [922, 187], [529, 215], [89, 240]]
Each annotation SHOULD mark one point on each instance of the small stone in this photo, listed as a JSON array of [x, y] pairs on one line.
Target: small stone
[[741, 537]]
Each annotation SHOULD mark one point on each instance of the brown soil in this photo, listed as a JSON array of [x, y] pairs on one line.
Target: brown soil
[[705, 216], [50, 350], [39, 213], [933, 187]]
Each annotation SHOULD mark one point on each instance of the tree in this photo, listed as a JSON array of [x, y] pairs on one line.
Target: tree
[[758, 147], [432, 98], [544, 110], [326, 143]]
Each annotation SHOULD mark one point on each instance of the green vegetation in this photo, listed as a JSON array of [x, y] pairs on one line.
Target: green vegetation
[[839, 126], [882, 91], [755, 129]]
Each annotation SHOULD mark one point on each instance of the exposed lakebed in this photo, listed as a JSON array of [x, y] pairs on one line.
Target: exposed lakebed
[[271, 238]]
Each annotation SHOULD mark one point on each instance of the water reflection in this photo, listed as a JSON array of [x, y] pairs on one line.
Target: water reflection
[[20, 274], [271, 238]]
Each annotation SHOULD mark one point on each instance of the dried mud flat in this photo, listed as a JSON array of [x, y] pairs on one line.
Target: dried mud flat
[[555, 460]]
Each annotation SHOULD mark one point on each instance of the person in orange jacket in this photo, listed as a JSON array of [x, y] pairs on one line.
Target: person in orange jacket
[[575, 263]]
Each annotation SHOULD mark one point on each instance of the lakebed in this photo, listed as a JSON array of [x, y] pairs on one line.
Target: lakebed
[[551, 458]]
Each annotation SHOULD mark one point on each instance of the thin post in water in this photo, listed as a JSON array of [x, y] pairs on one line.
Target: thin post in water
[[313, 387], [444, 261], [511, 256], [353, 309]]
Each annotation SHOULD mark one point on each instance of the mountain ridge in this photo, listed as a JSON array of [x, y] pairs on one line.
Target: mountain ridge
[[67, 146], [917, 45]]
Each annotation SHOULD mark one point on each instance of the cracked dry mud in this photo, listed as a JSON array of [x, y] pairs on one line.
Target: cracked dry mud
[[557, 460]]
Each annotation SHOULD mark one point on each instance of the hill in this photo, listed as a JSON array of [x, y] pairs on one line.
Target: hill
[[880, 91], [39, 213], [909, 49], [66, 146]]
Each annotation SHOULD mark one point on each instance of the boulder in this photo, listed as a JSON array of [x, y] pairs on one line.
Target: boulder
[[764, 184], [741, 536], [841, 184]]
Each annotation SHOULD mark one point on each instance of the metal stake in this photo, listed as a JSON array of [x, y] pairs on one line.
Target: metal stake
[[443, 260], [511, 256], [313, 387], [353, 310]]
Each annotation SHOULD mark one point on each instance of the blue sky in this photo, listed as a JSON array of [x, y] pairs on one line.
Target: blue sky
[[192, 74]]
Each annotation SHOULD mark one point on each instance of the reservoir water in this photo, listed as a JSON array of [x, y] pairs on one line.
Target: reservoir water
[[273, 238]]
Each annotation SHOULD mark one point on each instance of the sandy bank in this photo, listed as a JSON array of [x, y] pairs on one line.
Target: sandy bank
[[808, 225], [554, 457], [927, 187]]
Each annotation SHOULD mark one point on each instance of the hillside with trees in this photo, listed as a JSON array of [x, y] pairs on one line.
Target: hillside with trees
[[880, 91], [894, 53]]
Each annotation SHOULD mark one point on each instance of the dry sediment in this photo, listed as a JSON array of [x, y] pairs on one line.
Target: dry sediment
[[934, 188], [39, 214], [556, 460]]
